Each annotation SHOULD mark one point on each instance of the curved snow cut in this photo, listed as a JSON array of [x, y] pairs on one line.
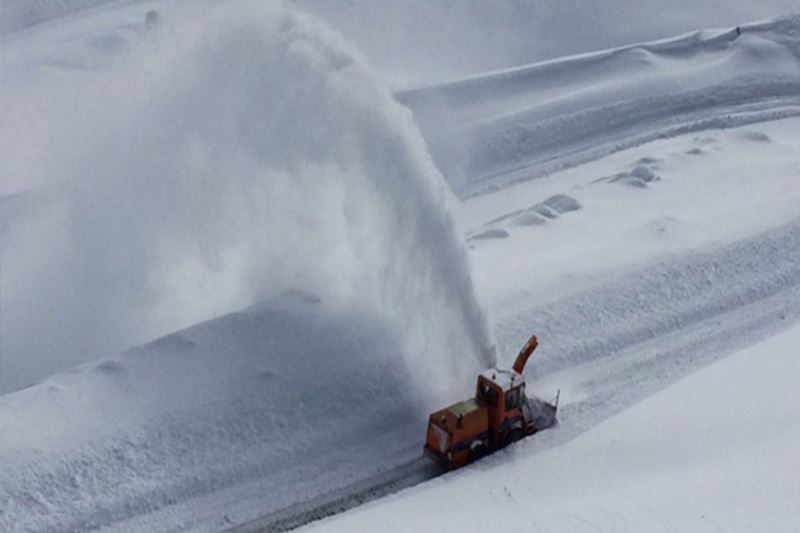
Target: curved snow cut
[[243, 152], [499, 128]]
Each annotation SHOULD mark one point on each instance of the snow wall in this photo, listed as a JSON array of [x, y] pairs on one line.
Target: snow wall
[[223, 159]]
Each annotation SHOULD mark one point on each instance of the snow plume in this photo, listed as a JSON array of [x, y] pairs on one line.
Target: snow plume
[[238, 154]]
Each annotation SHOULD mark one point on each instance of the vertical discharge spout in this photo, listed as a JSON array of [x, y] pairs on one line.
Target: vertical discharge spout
[[524, 354]]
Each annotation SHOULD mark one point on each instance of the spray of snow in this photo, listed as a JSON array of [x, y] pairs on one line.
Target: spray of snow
[[241, 153]]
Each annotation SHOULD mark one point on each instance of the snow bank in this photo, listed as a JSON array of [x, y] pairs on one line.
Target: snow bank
[[517, 124], [413, 42], [238, 152], [287, 396], [664, 297]]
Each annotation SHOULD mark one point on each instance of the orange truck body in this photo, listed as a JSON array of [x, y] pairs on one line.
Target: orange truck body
[[499, 414]]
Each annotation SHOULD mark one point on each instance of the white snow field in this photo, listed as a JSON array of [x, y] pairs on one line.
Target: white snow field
[[237, 182]]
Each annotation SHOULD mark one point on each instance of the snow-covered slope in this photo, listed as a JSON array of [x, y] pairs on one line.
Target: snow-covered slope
[[437, 40], [282, 399], [411, 42], [522, 123], [714, 452], [667, 198], [192, 433], [163, 170]]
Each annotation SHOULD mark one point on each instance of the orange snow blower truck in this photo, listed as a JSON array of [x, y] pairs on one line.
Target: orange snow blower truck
[[499, 414]]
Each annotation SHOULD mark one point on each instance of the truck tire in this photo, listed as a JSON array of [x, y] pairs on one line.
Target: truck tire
[[514, 436], [477, 453]]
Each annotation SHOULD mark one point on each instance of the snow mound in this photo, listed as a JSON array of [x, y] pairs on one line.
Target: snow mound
[[492, 233], [548, 209], [249, 396], [529, 217], [561, 203], [639, 177], [535, 215], [756, 136]]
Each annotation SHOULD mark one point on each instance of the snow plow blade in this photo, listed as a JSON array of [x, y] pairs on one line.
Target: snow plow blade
[[541, 414]]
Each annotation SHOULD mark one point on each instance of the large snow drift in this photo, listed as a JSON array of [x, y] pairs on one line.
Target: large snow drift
[[197, 167]]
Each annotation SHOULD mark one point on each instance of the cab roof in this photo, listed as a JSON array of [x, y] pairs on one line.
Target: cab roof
[[506, 379]]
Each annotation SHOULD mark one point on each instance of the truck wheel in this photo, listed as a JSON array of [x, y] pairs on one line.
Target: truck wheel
[[476, 453], [514, 436]]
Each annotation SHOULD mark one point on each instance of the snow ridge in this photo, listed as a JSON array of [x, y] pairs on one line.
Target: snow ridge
[[495, 129]]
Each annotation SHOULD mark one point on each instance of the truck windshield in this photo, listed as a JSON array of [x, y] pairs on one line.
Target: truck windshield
[[441, 436], [513, 398]]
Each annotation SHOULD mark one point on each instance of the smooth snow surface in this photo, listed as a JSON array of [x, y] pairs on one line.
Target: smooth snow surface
[[714, 452]]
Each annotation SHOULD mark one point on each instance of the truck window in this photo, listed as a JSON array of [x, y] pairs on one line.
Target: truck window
[[488, 394], [513, 398]]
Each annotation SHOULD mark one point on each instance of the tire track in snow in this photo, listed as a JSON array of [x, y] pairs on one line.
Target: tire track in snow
[[339, 501]]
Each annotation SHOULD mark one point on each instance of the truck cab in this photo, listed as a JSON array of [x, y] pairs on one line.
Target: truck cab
[[499, 414], [503, 392]]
